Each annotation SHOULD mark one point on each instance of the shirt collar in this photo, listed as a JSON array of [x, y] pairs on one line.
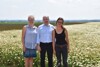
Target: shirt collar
[[46, 25]]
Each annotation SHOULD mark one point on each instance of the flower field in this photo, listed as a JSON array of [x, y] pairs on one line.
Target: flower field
[[84, 47]]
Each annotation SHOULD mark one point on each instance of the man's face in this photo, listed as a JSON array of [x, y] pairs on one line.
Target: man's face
[[46, 20]]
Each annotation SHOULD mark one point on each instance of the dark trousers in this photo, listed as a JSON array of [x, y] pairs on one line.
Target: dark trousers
[[46, 47], [61, 51]]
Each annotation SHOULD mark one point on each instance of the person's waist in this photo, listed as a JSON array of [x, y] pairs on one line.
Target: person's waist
[[61, 42], [30, 43], [30, 46], [61, 46], [45, 42]]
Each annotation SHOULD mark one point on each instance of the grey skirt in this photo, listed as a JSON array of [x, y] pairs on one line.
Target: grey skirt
[[30, 53]]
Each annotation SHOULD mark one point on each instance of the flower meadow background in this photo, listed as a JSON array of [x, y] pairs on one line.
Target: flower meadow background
[[84, 46]]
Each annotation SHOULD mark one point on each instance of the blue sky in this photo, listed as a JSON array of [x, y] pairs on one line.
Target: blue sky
[[68, 9]]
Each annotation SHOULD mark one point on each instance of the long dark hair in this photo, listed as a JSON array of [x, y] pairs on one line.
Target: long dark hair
[[60, 18]]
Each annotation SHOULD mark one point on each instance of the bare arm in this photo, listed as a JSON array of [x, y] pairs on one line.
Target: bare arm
[[38, 40], [67, 39], [23, 37]]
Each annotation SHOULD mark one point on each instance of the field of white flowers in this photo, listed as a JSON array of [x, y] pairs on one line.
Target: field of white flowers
[[84, 47]]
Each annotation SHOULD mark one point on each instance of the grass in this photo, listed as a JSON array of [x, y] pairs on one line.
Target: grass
[[84, 47], [84, 40]]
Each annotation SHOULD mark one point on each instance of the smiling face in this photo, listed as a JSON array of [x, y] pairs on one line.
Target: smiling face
[[31, 19], [46, 20], [59, 22]]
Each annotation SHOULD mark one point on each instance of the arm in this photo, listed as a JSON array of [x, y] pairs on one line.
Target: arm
[[67, 39], [53, 40], [38, 36], [38, 40], [23, 37]]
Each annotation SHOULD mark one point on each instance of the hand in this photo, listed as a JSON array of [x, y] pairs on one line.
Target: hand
[[54, 52], [24, 49], [68, 50], [39, 48]]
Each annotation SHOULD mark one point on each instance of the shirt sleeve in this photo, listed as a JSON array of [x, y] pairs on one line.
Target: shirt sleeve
[[38, 36], [53, 27]]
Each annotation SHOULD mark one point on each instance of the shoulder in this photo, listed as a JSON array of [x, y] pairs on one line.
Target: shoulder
[[40, 25], [25, 26], [52, 26], [66, 31], [35, 27]]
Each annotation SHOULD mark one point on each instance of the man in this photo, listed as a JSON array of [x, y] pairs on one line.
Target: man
[[44, 39]]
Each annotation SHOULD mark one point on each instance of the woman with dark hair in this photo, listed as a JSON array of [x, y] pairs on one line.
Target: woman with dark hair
[[60, 42]]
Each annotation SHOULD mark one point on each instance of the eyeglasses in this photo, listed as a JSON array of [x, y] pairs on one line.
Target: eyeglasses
[[30, 19], [46, 19], [60, 22]]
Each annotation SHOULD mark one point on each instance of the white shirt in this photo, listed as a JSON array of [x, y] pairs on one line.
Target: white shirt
[[45, 33]]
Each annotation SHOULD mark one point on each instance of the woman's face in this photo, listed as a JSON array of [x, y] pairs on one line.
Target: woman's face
[[59, 23], [31, 20]]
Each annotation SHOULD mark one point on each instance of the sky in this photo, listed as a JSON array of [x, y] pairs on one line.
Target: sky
[[68, 9]]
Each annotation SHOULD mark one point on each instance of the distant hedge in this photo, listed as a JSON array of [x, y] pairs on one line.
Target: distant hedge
[[15, 26]]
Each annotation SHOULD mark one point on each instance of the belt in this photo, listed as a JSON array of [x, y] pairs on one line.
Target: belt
[[45, 42], [61, 46]]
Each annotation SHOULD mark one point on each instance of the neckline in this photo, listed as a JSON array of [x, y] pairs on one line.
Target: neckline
[[31, 26], [46, 25], [60, 32]]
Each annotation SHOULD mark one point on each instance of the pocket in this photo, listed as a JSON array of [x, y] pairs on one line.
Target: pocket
[[65, 46], [26, 53], [57, 48], [33, 53]]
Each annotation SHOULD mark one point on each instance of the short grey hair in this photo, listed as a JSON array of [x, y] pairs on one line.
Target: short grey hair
[[46, 17]]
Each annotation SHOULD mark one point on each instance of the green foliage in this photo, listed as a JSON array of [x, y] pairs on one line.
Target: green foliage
[[14, 26], [84, 47], [19, 25]]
